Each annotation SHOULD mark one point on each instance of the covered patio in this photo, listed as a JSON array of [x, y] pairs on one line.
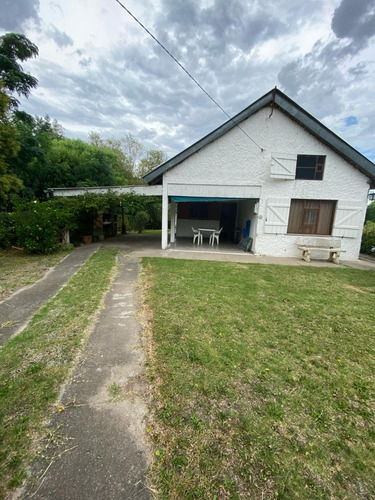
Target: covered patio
[[227, 216], [186, 245]]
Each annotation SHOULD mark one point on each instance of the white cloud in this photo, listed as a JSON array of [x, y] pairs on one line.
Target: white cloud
[[104, 73]]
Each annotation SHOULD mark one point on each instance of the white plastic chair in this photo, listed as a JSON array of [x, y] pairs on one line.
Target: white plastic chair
[[197, 236], [215, 236]]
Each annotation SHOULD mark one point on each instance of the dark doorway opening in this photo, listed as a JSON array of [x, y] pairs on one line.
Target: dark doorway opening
[[228, 220]]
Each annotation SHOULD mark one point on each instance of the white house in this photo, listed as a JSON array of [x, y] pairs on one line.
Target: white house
[[277, 166]]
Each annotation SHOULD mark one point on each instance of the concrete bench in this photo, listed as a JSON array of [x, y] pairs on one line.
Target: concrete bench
[[330, 245]]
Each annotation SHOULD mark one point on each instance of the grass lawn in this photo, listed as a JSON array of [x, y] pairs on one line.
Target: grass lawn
[[18, 269], [34, 364], [262, 380]]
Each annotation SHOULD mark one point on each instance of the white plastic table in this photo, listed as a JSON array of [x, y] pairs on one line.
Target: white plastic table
[[208, 230]]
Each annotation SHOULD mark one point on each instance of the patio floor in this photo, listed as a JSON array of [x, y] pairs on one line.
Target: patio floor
[[186, 245]]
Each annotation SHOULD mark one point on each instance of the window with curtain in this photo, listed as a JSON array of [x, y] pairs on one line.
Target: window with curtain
[[311, 216]]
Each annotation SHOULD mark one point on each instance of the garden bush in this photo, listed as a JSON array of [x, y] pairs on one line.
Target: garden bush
[[370, 213], [140, 220], [368, 238], [154, 210], [7, 236], [40, 226]]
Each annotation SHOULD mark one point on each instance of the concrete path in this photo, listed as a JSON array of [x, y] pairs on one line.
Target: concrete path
[[17, 310], [103, 453]]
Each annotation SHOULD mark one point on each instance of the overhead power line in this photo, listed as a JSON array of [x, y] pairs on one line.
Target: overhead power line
[[187, 72]]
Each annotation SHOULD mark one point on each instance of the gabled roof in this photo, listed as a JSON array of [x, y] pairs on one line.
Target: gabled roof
[[281, 101]]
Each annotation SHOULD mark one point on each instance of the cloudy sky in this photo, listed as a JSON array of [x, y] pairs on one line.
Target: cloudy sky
[[99, 71]]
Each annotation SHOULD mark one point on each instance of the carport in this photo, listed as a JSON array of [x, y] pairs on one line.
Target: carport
[[231, 214]]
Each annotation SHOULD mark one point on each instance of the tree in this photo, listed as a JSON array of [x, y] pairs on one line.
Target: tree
[[133, 149], [133, 161], [72, 162], [128, 150], [153, 159], [35, 135], [15, 47], [9, 147], [123, 168]]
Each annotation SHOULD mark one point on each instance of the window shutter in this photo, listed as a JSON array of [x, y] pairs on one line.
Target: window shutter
[[348, 219], [283, 165], [277, 214]]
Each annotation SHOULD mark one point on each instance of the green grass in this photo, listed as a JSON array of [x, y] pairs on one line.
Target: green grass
[[34, 364], [18, 269], [263, 380]]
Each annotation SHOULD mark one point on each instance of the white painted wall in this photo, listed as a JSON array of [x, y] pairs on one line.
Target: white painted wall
[[184, 227], [245, 212], [234, 162]]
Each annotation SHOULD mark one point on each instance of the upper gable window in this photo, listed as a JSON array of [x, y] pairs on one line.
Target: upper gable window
[[310, 167]]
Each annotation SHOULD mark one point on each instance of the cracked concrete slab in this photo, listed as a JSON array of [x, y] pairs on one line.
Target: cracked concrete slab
[[17, 310], [104, 453]]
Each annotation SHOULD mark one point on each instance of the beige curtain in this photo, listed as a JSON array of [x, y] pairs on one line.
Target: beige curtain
[[311, 216]]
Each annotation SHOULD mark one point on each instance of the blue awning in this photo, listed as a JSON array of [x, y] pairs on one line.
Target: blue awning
[[201, 198]]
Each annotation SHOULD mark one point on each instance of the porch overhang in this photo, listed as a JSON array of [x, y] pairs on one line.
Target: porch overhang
[[214, 191], [79, 191]]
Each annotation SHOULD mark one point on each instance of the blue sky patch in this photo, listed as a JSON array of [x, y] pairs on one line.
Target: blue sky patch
[[351, 120]]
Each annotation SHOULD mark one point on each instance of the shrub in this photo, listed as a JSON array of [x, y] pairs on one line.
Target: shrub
[[368, 238], [40, 227], [140, 220], [370, 213], [154, 210], [7, 236]]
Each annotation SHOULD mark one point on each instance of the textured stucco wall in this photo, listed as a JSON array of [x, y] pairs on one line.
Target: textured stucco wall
[[245, 211], [184, 227], [235, 160]]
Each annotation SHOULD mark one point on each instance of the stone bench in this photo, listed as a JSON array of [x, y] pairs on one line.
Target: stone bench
[[330, 245]]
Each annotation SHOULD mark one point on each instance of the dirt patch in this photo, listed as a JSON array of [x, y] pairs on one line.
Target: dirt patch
[[356, 288]]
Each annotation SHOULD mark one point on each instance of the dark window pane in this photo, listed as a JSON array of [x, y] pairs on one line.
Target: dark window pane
[[203, 211], [194, 211], [306, 161], [305, 173], [310, 167], [199, 210]]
